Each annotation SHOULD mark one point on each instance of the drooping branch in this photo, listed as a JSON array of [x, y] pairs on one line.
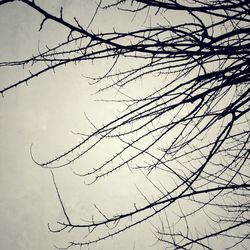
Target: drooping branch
[[193, 127]]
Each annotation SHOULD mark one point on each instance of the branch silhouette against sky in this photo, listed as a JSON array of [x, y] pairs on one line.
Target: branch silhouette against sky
[[188, 136]]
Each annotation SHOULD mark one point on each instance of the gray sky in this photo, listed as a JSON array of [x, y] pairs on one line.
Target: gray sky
[[44, 113]]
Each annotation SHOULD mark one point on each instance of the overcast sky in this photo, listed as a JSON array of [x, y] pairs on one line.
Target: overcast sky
[[43, 114], [48, 113]]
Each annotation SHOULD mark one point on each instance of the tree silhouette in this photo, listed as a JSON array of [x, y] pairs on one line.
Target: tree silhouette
[[193, 128]]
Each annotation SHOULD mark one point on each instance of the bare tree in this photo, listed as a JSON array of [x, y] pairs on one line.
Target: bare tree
[[193, 128]]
